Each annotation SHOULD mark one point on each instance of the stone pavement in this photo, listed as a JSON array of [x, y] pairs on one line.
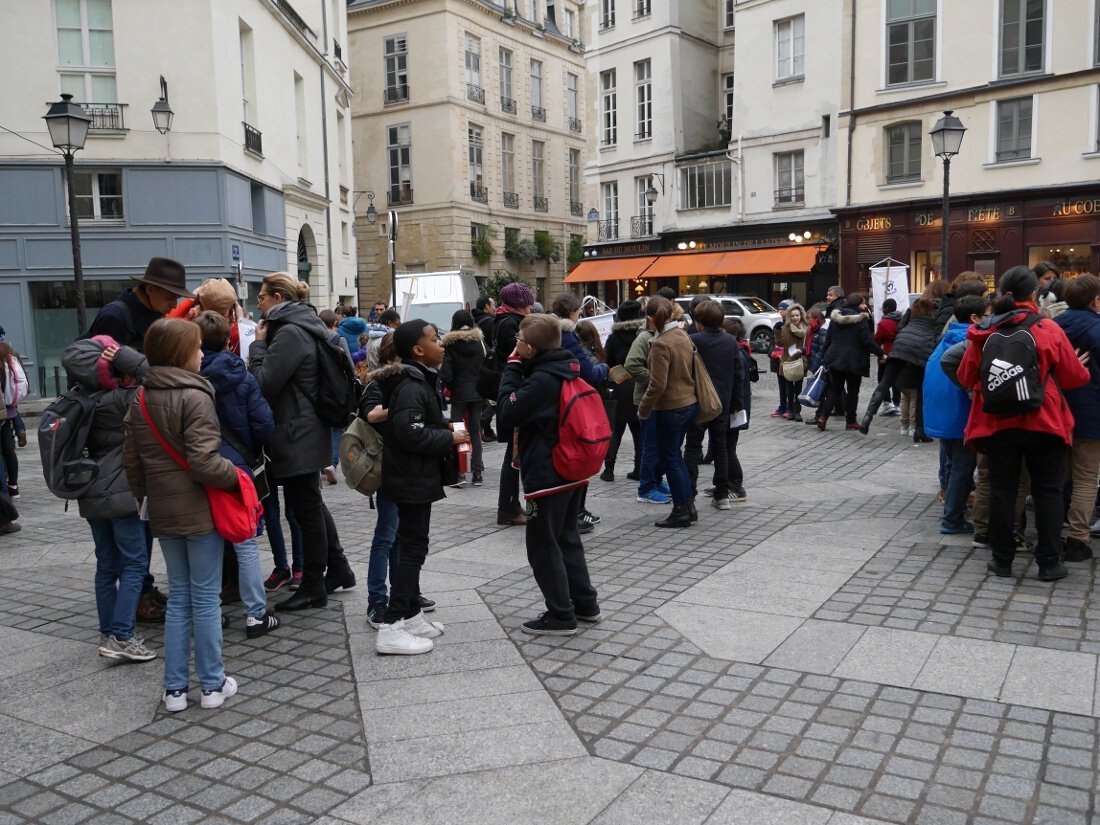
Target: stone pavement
[[818, 655]]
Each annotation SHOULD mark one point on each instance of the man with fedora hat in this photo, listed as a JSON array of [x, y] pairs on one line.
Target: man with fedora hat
[[129, 316]]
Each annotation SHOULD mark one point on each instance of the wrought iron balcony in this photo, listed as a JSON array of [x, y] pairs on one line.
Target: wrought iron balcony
[[508, 105], [576, 209], [538, 113], [337, 52], [795, 195], [608, 21], [105, 116], [511, 200], [541, 204], [575, 124], [475, 93], [641, 226], [608, 230], [253, 139], [396, 94], [479, 193], [400, 195]]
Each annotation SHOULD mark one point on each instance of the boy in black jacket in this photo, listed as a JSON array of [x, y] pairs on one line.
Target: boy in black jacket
[[416, 438], [529, 390]]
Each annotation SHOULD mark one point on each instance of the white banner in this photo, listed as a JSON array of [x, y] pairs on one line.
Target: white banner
[[889, 282]]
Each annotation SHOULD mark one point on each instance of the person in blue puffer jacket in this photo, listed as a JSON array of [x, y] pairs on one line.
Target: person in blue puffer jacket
[[350, 326], [247, 426], [946, 410]]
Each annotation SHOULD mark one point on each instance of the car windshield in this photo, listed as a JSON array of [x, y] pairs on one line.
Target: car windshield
[[756, 305]]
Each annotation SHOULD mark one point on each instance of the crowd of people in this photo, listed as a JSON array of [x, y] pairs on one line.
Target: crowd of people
[[190, 395]]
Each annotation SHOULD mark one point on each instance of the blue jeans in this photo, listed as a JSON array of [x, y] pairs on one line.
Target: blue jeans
[[250, 579], [121, 562], [275, 533], [194, 583], [650, 467], [671, 426], [385, 552], [959, 471], [336, 433]]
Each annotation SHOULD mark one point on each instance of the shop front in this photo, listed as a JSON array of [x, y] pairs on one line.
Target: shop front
[[986, 234]]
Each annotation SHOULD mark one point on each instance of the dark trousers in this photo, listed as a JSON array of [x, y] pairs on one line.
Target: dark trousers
[[791, 389], [320, 542], [960, 462], [470, 414], [413, 523], [508, 495], [693, 454], [556, 555], [488, 411], [846, 384], [889, 383], [736, 474], [1043, 453], [7, 444], [895, 393], [617, 440]]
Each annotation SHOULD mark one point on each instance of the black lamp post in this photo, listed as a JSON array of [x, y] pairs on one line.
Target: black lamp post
[[161, 111], [68, 125], [947, 136], [393, 256]]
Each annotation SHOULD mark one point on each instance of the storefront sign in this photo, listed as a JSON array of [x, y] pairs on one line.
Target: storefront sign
[[1083, 207], [743, 243], [627, 249], [989, 214], [926, 219], [874, 224]]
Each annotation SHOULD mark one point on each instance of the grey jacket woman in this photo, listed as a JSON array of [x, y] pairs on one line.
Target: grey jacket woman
[[916, 338], [285, 365]]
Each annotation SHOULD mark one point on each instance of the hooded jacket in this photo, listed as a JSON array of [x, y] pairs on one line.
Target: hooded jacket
[[415, 435], [529, 401], [887, 331], [242, 409], [505, 332], [126, 319], [848, 343], [1082, 328], [748, 372], [916, 338], [637, 363], [350, 329], [463, 356], [815, 343], [484, 321], [592, 370], [181, 405], [671, 383], [946, 405], [719, 352], [1056, 359], [617, 348], [286, 368]]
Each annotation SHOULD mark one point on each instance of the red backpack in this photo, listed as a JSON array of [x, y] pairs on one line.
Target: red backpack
[[584, 433]]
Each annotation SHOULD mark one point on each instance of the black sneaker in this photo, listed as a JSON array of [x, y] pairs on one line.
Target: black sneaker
[[547, 625], [255, 628], [590, 618], [477, 480], [980, 540], [584, 527], [607, 475], [376, 615], [1000, 569], [634, 475], [1077, 550], [427, 605], [1053, 573], [591, 518]]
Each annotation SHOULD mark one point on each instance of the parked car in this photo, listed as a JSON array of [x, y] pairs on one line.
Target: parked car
[[758, 316]]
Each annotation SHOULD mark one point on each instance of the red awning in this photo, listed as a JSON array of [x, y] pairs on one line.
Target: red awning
[[609, 269], [684, 264], [782, 259]]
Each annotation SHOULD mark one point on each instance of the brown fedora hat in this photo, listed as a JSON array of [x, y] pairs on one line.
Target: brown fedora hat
[[167, 274]]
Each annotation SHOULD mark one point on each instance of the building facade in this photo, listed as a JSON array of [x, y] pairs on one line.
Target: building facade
[[1024, 79], [469, 123], [715, 161], [254, 176]]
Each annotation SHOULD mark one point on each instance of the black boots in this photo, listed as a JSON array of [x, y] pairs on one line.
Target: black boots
[[692, 512], [679, 517], [302, 599], [339, 575], [866, 423], [608, 473]]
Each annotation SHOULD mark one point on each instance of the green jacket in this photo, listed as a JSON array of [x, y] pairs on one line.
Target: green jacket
[[637, 363]]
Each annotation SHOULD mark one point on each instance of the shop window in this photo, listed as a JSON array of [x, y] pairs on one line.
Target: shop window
[[703, 185], [903, 152], [1021, 36], [910, 41], [98, 196], [1071, 260], [53, 312], [1014, 129], [927, 267]]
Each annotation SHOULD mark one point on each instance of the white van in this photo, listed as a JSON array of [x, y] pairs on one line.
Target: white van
[[435, 296]]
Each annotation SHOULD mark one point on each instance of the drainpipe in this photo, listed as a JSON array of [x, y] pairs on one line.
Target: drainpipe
[[851, 104], [739, 163], [324, 150]]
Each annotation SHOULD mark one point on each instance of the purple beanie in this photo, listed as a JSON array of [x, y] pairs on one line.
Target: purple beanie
[[517, 295]]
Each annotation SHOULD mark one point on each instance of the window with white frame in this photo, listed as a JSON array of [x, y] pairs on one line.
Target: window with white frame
[[574, 177], [1096, 34], [399, 149], [98, 195], [568, 23], [707, 184], [641, 8], [609, 115], [790, 182], [538, 168], [727, 98], [910, 41], [572, 97], [610, 228], [475, 137], [300, 125], [643, 99], [86, 50], [507, 98], [473, 61], [341, 147], [249, 112], [508, 164], [1021, 36], [396, 58], [607, 14], [642, 227], [536, 89], [903, 152], [727, 13], [1014, 129], [790, 47]]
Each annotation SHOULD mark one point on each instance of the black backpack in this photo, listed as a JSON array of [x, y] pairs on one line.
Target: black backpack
[[63, 440], [1009, 372], [337, 387]]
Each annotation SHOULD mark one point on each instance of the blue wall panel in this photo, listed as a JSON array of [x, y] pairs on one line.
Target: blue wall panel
[[275, 210], [30, 196], [200, 251], [172, 196], [9, 253], [239, 201]]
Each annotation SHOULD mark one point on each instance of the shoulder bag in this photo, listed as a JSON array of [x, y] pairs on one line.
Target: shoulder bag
[[710, 405]]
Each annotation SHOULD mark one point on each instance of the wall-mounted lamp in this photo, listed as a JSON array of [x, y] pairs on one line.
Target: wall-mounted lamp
[[651, 192], [372, 213], [161, 111]]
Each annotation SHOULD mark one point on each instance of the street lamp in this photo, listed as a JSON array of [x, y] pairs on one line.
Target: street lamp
[[393, 255], [161, 111], [68, 125], [651, 190], [947, 136], [372, 213]]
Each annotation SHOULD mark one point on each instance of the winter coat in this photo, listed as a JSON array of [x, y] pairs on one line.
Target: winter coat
[[242, 409], [15, 385], [372, 392], [617, 348], [1055, 308], [126, 319], [463, 357], [747, 372], [719, 352], [788, 336], [505, 333], [951, 358], [916, 338], [671, 385], [415, 435], [181, 405], [946, 406], [484, 322], [285, 365], [637, 363], [887, 331], [815, 343], [944, 314], [848, 343], [592, 370], [1082, 328], [350, 329], [1056, 356], [109, 495], [529, 395]]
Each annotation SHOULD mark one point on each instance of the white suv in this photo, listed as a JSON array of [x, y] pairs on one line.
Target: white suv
[[758, 316]]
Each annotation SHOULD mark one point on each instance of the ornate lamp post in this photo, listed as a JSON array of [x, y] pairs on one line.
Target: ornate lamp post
[[947, 136]]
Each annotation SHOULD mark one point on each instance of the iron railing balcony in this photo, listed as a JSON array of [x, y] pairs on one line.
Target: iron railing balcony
[[475, 93], [508, 105], [541, 204], [641, 226], [253, 139], [792, 195], [107, 117], [575, 124], [538, 113], [478, 193], [608, 230], [576, 209], [400, 196], [511, 200], [396, 94]]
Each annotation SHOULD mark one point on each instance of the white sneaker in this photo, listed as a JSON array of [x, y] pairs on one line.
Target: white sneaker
[[904, 430], [216, 698], [721, 503], [129, 650], [395, 640], [1095, 529], [419, 626], [175, 700]]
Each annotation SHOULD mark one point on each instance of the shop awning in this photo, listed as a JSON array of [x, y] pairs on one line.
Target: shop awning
[[685, 264], [610, 269], [766, 261]]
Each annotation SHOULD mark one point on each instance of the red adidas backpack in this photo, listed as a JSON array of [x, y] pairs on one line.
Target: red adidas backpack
[[584, 433]]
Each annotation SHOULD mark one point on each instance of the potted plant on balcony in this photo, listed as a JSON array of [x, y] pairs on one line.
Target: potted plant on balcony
[[482, 246], [548, 249]]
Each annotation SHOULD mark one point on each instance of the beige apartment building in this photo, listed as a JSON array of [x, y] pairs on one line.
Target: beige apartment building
[[469, 123]]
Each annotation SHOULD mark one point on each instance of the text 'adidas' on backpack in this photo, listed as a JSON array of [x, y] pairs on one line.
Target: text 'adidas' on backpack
[[62, 442], [584, 433], [361, 457], [1009, 373], [337, 387]]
